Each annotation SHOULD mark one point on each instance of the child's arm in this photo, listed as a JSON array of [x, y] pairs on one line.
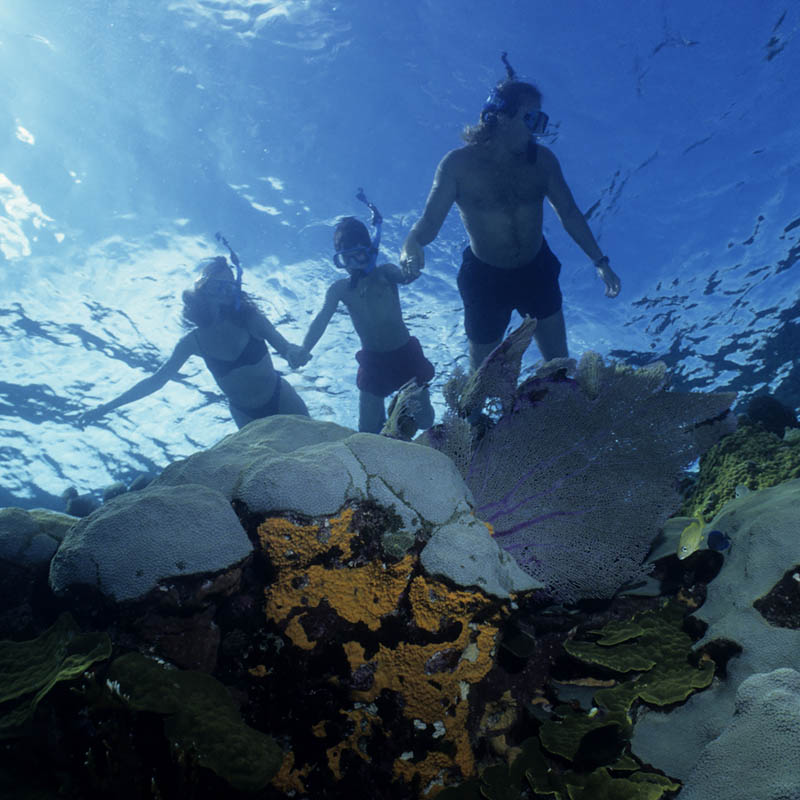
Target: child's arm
[[152, 383], [394, 274], [317, 327]]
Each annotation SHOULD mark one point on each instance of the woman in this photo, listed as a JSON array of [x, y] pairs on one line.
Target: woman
[[229, 333]]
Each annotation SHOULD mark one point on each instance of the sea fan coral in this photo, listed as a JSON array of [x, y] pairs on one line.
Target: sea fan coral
[[577, 478]]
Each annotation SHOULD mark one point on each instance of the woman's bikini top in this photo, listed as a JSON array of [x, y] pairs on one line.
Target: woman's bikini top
[[252, 353]]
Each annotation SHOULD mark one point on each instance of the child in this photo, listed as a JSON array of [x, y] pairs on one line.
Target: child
[[390, 356]]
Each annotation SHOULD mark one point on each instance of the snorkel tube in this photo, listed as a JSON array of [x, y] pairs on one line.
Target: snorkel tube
[[494, 102], [235, 261], [376, 221]]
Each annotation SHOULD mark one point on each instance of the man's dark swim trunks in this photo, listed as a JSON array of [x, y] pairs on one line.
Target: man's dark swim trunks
[[384, 373], [490, 293]]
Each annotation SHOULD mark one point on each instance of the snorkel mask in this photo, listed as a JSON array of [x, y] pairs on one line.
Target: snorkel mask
[[218, 288], [536, 121], [366, 256]]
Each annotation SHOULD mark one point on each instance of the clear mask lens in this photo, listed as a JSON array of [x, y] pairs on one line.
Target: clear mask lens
[[353, 257], [536, 122]]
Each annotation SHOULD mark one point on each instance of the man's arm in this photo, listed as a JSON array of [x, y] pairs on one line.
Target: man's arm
[[440, 199], [152, 383], [574, 222]]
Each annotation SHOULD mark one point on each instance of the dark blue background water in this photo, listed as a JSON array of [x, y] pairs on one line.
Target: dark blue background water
[[131, 132]]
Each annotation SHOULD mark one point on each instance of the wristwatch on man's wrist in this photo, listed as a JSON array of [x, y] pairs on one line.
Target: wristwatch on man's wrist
[[601, 262]]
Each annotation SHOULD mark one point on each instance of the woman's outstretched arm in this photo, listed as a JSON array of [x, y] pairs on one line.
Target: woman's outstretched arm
[[152, 383]]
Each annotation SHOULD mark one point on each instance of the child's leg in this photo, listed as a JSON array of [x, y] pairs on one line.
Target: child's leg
[[371, 412], [425, 415]]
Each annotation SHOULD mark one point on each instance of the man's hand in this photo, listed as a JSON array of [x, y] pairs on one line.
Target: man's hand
[[296, 355], [412, 259], [610, 278]]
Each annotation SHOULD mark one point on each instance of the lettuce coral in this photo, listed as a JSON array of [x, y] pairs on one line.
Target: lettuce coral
[[29, 670]]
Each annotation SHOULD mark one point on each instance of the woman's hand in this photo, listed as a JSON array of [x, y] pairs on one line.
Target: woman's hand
[[296, 355]]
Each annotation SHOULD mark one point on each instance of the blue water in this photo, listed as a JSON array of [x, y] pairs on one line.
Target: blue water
[[131, 132]]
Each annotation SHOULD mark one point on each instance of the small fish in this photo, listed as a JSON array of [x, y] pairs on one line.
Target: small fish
[[719, 541], [691, 537]]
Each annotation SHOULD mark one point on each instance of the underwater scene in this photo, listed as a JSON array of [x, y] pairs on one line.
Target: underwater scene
[[400, 400]]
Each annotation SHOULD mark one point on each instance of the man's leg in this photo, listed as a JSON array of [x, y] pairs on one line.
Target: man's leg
[[371, 412], [551, 336], [477, 352]]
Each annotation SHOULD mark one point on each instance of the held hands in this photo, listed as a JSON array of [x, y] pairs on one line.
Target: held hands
[[608, 276], [296, 355], [412, 259]]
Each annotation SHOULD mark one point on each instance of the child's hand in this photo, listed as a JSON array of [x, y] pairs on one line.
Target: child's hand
[[297, 356]]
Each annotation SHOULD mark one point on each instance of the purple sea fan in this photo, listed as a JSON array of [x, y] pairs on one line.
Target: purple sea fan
[[579, 476]]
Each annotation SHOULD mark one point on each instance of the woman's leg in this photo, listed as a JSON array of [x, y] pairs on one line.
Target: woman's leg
[[290, 402]]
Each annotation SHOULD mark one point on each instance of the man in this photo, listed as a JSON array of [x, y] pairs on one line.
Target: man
[[499, 181]]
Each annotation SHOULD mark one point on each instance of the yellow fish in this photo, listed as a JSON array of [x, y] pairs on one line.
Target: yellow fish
[[691, 537]]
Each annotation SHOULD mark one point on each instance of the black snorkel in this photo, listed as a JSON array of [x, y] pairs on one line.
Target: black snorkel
[[235, 261], [376, 221], [494, 102]]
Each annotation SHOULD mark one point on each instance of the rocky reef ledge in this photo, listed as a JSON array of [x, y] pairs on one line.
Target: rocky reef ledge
[[335, 587]]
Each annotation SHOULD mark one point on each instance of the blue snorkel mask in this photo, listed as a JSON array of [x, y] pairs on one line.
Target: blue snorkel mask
[[536, 121], [365, 256]]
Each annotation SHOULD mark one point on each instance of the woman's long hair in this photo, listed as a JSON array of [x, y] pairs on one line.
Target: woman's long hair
[[196, 307]]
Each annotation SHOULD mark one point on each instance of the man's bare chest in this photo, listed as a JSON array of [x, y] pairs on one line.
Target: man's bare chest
[[492, 187]]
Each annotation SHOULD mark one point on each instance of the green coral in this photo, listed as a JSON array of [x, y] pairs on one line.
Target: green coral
[[565, 735], [601, 785], [502, 782], [653, 638], [29, 670], [202, 719], [750, 457]]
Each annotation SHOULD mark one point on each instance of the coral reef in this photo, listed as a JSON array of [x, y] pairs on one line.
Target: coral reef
[[29, 670], [578, 477], [201, 719], [404, 649], [762, 526], [750, 457], [758, 753]]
